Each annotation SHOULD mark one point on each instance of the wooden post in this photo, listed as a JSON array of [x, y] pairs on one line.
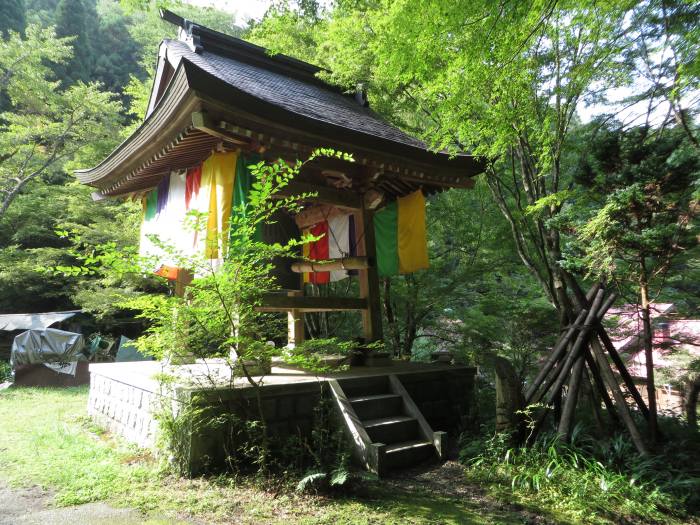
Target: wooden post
[[182, 281], [622, 369], [184, 278], [577, 348], [295, 323], [584, 301], [369, 278], [590, 392]]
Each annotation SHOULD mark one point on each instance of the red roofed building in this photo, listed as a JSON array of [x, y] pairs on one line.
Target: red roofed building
[[676, 352]]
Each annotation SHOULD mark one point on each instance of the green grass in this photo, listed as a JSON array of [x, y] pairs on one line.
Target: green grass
[[47, 440], [591, 481]]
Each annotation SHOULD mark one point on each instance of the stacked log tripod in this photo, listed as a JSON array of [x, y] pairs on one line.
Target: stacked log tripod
[[582, 350]]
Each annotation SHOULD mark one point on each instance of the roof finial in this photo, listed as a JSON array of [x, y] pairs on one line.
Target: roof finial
[[188, 30], [361, 95]]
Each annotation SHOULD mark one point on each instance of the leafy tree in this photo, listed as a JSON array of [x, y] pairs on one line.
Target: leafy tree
[[72, 21], [116, 52], [46, 127], [500, 79], [639, 186], [474, 276], [29, 245], [12, 17], [665, 45]]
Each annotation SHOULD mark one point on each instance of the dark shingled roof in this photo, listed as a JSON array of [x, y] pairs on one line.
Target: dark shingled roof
[[316, 100], [268, 98]]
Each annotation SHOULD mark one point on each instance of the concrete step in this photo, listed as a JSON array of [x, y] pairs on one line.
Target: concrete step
[[365, 386], [408, 453], [393, 429], [377, 406]]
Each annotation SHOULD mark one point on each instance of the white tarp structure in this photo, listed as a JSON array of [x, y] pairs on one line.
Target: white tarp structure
[[56, 349], [10, 322]]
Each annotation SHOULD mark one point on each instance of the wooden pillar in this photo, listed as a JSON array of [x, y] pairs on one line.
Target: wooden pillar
[[369, 278], [181, 356], [184, 278], [295, 323]]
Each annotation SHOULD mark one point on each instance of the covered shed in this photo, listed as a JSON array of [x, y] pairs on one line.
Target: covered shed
[[13, 324]]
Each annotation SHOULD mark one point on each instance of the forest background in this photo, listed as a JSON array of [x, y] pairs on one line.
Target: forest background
[[484, 290]]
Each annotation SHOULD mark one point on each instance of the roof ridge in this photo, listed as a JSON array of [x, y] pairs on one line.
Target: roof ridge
[[201, 38]]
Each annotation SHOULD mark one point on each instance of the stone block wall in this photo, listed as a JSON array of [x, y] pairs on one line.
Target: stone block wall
[[445, 397], [289, 410], [123, 409]]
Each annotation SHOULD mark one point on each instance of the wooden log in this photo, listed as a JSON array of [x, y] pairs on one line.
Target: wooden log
[[624, 373], [577, 346], [346, 263], [590, 320], [623, 409], [556, 385], [554, 356], [317, 213], [559, 349], [567, 416], [590, 391], [602, 391], [284, 303], [583, 302]]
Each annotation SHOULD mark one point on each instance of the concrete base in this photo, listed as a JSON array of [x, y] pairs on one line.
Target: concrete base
[[125, 398]]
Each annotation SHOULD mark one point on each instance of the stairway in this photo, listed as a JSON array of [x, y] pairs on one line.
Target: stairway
[[386, 426]]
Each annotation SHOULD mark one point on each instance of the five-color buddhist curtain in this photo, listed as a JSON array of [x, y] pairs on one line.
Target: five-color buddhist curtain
[[219, 189]]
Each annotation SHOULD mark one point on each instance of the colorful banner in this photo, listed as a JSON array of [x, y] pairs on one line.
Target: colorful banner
[[399, 228], [218, 173], [221, 187]]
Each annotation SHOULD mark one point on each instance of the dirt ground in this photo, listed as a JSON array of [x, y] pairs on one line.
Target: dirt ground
[[448, 479], [32, 506]]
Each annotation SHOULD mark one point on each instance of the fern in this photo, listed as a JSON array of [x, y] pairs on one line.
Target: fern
[[310, 480]]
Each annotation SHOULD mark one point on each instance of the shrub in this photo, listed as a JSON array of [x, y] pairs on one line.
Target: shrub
[[5, 371]]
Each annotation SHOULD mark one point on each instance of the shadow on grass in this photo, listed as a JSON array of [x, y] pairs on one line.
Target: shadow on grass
[[418, 507]]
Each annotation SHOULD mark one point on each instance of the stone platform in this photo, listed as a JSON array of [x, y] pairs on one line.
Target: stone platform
[[125, 397]]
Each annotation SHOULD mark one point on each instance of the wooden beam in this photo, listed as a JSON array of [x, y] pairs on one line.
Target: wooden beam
[[369, 278], [324, 194], [285, 303], [206, 124], [346, 263], [317, 213]]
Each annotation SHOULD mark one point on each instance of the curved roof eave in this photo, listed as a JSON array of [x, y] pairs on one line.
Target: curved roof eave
[[185, 90]]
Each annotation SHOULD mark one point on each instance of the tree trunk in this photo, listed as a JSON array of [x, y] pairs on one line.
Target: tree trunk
[[391, 321], [648, 354]]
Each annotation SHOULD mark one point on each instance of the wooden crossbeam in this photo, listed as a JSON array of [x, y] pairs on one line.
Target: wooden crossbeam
[[284, 303], [206, 124], [345, 263], [324, 194]]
